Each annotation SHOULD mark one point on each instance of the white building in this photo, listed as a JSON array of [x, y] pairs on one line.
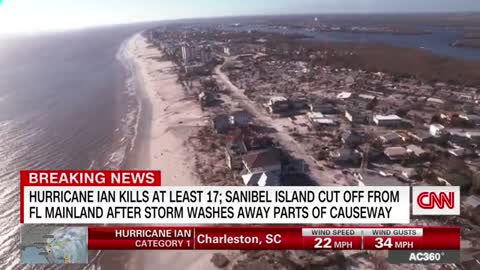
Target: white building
[[261, 179], [344, 95], [366, 97], [387, 120], [278, 104], [188, 53], [312, 116], [436, 130], [435, 100], [355, 116], [206, 55], [227, 51]]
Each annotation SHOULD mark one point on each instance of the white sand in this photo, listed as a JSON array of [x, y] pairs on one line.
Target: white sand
[[174, 118]]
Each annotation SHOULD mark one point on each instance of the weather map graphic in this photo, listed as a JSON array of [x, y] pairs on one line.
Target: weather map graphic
[[53, 245]]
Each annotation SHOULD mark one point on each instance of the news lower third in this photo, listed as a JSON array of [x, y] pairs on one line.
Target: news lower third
[[230, 218]]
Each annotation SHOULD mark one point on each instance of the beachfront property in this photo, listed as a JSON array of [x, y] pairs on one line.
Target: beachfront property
[[262, 168], [241, 119], [221, 123], [380, 110], [234, 150], [189, 52], [202, 54], [206, 98], [266, 160]]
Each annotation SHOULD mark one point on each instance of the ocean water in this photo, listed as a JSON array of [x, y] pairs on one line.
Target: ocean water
[[67, 101]]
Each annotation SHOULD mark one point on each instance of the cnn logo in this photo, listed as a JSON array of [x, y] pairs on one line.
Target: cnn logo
[[429, 201]]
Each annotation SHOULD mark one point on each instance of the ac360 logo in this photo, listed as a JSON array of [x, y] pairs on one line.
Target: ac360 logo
[[436, 200]]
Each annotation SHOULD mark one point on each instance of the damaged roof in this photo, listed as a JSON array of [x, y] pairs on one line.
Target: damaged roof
[[262, 158]]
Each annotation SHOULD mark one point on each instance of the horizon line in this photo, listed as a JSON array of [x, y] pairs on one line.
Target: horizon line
[[147, 21]]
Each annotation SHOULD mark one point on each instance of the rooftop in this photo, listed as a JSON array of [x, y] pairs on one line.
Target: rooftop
[[365, 96], [374, 179], [278, 99], [472, 201], [325, 121], [262, 158], [395, 151], [261, 179], [344, 95], [435, 100], [388, 117], [416, 149], [391, 136], [315, 115]]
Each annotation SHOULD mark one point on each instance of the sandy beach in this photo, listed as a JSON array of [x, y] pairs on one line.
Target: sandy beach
[[173, 118]]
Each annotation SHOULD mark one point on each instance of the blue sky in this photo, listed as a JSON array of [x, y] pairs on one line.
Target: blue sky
[[35, 15]]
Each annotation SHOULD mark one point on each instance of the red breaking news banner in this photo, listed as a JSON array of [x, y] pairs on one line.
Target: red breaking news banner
[[81, 178], [274, 238], [90, 178]]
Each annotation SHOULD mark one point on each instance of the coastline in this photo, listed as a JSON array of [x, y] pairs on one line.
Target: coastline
[[168, 117]]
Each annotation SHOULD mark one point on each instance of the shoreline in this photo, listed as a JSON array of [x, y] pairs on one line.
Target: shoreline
[[138, 156], [167, 118]]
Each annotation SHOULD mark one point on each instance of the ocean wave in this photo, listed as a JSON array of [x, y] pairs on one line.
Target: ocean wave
[[134, 108]]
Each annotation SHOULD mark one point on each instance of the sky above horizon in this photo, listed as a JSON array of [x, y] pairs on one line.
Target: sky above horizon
[[44, 15]]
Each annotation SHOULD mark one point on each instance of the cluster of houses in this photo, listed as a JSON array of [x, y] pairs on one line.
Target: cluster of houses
[[316, 113], [393, 138], [255, 159], [195, 49], [362, 108]]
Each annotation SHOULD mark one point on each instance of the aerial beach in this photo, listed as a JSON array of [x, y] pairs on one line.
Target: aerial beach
[[173, 118]]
